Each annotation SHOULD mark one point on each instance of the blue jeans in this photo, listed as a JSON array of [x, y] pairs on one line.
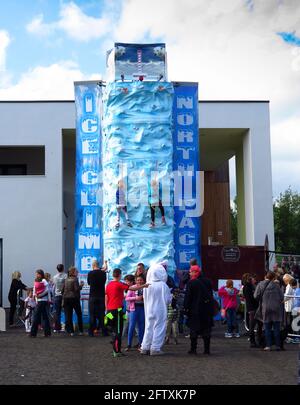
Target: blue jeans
[[268, 333], [232, 323], [136, 317]]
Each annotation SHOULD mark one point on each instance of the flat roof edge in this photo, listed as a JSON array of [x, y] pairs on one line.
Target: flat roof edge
[[234, 101], [72, 101], [36, 101]]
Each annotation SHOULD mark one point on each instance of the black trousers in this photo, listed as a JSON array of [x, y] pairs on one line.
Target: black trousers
[[259, 325], [152, 208], [116, 324], [96, 312], [205, 334], [70, 305], [41, 313], [288, 319], [58, 307], [12, 310]]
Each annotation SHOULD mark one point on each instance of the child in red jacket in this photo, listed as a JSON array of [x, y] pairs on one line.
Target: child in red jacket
[[229, 296]]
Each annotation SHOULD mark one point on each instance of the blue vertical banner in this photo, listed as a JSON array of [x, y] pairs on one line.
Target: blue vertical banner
[[186, 169], [88, 197]]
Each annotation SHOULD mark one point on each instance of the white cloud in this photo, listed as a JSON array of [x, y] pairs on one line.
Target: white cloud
[[37, 26], [232, 52], [285, 142], [76, 24], [4, 43], [54, 82]]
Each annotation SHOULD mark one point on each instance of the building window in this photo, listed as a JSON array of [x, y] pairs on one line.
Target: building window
[[22, 160], [13, 170]]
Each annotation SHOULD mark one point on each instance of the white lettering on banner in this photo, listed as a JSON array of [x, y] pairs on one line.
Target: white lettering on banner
[[185, 152], [90, 199], [185, 256], [89, 219], [89, 125], [90, 177], [88, 103], [89, 241], [185, 102], [185, 119], [186, 168], [86, 263], [90, 147], [187, 239], [186, 222], [185, 136]]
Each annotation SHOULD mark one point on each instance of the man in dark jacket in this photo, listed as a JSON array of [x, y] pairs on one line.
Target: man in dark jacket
[[198, 305], [96, 280], [249, 282]]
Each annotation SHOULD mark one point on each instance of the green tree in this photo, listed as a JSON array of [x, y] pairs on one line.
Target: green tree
[[287, 222]]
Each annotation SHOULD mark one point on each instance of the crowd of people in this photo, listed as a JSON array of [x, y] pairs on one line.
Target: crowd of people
[[151, 306]]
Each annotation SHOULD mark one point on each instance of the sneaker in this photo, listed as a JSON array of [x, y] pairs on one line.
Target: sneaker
[[129, 224], [157, 353], [152, 225], [228, 335], [288, 340], [127, 348], [187, 336], [71, 334], [80, 334], [163, 221], [237, 335], [117, 226], [145, 352], [119, 354], [267, 349]]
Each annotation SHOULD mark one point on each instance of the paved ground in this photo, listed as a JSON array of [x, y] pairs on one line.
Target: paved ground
[[83, 360]]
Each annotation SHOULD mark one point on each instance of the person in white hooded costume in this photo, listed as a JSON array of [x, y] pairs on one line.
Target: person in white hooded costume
[[156, 299]]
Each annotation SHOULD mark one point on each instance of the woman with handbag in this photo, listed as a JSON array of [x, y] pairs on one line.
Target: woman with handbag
[[270, 309]]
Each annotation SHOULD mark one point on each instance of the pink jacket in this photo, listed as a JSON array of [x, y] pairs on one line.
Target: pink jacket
[[229, 301], [130, 300]]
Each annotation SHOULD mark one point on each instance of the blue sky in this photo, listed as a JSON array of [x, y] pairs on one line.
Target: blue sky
[[27, 50], [237, 49]]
